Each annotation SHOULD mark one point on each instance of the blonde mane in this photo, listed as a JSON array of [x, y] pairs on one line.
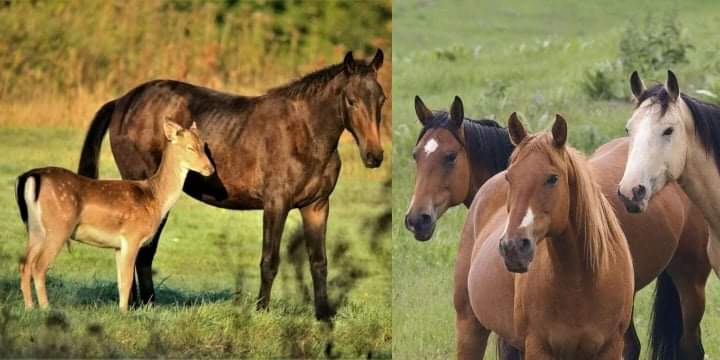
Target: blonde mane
[[592, 215]]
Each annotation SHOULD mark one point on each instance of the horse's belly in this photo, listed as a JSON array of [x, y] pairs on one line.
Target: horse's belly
[[491, 290]]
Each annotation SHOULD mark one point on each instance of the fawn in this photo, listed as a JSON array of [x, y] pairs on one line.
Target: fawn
[[57, 204]]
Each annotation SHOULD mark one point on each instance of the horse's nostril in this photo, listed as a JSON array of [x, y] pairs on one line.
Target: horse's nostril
[[524, 244], [639, 192], [425, 219]]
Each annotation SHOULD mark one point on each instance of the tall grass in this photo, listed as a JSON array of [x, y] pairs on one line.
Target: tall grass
[[62, 59]]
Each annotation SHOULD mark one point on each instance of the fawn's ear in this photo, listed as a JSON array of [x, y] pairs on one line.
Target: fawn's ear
[[516, 130], [171, 129]]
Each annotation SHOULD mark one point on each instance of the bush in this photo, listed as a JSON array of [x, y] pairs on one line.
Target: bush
[[601, 82], [655, 47]]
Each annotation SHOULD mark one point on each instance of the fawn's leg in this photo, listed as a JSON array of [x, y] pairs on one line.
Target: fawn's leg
[[125, 259], [274, 217], [315, 225], [26, 265], [143, 268], [54, 241]]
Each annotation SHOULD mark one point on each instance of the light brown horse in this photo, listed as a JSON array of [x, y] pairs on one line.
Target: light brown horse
[[57, 204], [574, 284], [667, 245]]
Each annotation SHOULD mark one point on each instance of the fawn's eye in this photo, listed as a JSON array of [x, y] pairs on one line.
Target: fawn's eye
[[668, 131], [551, 180]]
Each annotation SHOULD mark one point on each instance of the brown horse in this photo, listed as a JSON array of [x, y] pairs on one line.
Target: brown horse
[[273, 152], [56, 204], [574, 284], [674, 254]]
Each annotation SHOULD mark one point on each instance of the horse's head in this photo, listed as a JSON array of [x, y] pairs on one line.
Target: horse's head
[[362, 102], [189, 147], [658, 141], [539, 192], [442, 176]]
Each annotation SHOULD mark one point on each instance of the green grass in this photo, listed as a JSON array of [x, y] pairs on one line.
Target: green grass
[[207, 276], [502, 57]]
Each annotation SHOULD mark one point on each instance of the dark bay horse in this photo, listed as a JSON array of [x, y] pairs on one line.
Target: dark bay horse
[[574, 279], [273, 152], [673, 253]]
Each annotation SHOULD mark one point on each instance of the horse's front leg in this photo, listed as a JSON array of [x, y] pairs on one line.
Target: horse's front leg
[[274, 216], [143, 268], [315, 225], [631, 348]]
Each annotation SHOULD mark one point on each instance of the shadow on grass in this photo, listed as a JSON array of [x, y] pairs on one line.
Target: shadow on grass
[[100, 292]]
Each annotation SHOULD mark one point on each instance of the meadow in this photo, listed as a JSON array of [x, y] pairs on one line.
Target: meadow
[[536, 58], [68, 58]]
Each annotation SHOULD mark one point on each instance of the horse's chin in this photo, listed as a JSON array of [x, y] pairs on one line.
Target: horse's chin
[[517, 266], [424, 235]]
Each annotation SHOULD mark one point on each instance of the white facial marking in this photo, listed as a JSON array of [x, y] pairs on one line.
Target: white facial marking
[[430, 146], [528, 219]]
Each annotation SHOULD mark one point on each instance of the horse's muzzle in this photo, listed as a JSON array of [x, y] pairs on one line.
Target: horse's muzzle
[[517, 254], [373, 159], [636, 204], [422, 226]]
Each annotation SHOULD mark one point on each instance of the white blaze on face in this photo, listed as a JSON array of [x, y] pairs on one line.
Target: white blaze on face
[[430, 146], [527, 220]]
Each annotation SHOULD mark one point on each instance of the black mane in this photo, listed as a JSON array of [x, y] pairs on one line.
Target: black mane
[[313, 82], [486, 141], [706, 118]]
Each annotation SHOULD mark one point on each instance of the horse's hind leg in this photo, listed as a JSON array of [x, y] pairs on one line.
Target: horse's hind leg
[[315, 225], [690, 281], [274, 216], [631, 349]]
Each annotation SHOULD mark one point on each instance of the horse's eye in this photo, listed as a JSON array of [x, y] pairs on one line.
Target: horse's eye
[[350, 101], [668, 131], [551, 180], [450, 158], [414, 155]]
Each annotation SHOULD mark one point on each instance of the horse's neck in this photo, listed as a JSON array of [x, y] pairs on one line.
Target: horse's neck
[[324, 119], [167, 182], [566, 254]]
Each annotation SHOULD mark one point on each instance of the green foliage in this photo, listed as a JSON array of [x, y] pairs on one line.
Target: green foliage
[[51, 47], [651, 47], [656, 45]]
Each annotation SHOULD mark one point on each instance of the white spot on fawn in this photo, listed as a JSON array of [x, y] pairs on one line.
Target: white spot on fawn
[[430, 146]]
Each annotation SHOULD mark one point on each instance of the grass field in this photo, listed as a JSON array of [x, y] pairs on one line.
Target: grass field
[[502, 57], [207, 276]]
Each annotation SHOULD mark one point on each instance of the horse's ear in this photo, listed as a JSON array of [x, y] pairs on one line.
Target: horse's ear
[[671, 86], [349, 62], [457, 113], [423, 113], [516, 129], [377, 61], [636, 85], [559, 131], [171, 130]]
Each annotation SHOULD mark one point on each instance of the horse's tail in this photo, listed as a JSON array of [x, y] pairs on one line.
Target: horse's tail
[[93, 140], [666, 324], [505, 351]]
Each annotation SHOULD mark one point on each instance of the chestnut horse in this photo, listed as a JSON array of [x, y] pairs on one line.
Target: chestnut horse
[[274, 152], [674, 254], [574, 279]]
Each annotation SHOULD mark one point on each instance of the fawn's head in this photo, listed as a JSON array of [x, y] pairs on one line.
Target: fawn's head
[[189, 146]]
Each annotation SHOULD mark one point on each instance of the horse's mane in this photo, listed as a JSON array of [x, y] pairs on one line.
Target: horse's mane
[[706, 117], [314, 82], [592, 215], [486, 141]]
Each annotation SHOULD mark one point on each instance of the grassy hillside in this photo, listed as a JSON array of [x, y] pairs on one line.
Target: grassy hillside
[[530, 57]]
